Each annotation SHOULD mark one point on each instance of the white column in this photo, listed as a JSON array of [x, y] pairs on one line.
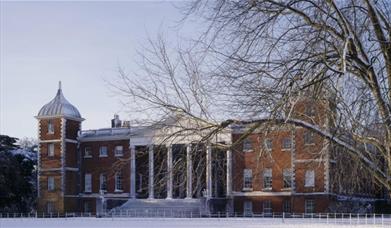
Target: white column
[[229, 173], [208, 171], [133, 171], [151, 173], [189, 166], [169, 172]]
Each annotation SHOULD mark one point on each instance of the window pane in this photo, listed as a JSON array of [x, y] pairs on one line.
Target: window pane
[[88, 152], [87, 207], [247, 146], [287, 178], [268, 144], [247, 208], [267, 207], [286, 143], [118, 181], [50, 127], [103, 151], [287, 206], [247, 178], [50, 207], [309, 178], [87, 183], [118, 151], [267, 179], [50, 149], [50, 183], [309, 206], [103, 182]]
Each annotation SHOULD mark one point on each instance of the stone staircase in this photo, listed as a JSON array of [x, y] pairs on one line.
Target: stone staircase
[[161, 208]]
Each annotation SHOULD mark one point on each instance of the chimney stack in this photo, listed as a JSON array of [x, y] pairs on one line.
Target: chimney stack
[[116, 122], [126, 123]]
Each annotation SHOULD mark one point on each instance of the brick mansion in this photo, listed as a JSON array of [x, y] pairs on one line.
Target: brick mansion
[[283, 169]]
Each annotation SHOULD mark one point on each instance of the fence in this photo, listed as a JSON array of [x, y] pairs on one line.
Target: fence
[[325, 218]]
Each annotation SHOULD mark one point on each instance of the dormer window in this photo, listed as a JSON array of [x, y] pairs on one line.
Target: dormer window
[[50, 127]]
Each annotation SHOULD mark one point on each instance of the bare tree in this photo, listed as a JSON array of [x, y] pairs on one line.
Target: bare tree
[[258, 57]]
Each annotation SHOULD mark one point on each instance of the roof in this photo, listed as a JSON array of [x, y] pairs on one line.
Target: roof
[[59, 106], [112, 133]]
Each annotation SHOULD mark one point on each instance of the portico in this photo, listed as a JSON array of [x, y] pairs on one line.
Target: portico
[[179, 161]]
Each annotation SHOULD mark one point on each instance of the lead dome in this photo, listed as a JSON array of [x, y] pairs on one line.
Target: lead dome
[[59, 106]]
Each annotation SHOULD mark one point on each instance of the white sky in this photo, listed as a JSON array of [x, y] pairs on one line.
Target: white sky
[[79, 43]]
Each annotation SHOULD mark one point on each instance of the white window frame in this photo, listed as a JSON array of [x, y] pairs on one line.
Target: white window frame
[[309, 138], [268, 144], [118, 182], [247, 179], [51, 184], [309, 179], [267, 179], [309, 206], [88, 182], [247, 208], [87, 152], [118, 151], [50, 149], [283, 144], [247, 145], [287, 178], [103, 182], [101, 150], [267, 207], [50, 127]]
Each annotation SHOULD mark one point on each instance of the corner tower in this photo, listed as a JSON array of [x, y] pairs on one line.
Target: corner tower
[[58, 161]]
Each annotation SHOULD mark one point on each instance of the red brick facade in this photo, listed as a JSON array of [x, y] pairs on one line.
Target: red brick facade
[[268, 156], [96, 164], [61, 164]]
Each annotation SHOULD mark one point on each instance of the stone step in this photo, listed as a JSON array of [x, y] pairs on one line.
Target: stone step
[[169, 207]]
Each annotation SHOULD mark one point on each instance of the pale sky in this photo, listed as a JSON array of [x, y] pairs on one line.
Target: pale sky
[[79, 43]]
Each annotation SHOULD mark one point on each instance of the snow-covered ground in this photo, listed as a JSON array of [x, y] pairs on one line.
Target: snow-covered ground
[[171, 223]]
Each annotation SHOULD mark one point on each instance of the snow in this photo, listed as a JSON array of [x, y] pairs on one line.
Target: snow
[[175, 223], [28, 154]]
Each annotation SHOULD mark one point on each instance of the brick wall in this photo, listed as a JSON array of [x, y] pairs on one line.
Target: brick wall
[[307, 156], [44, 134], [72, 127], [108, 165], [50, 196], [48, 162], [71, 157]]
